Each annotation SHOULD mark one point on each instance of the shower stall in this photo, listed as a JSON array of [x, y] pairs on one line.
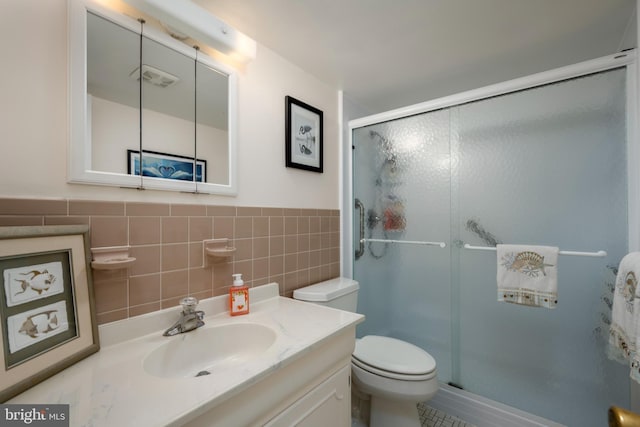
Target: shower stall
[[545, 160]]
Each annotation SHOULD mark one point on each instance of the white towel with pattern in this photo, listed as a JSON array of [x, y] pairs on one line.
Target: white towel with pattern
[[625, 315], [528, 275]]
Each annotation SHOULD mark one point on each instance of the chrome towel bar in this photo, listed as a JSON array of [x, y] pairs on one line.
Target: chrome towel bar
[[407, 242], [598, 254]]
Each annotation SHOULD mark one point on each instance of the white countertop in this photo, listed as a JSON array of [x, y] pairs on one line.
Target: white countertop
[[111, 388]]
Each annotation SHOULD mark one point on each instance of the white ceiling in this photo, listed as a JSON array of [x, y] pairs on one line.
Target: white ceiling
[[386, 54]]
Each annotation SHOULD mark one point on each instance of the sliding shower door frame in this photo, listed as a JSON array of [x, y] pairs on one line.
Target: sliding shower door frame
[[627, 59]]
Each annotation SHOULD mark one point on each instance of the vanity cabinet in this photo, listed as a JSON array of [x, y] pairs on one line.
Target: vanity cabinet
[[326, 405], [312, 391]]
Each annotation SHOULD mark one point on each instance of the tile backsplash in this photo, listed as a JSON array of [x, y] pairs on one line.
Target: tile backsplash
[[293, 247]]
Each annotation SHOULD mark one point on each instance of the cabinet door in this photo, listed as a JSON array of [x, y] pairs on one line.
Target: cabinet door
[[329, 404]]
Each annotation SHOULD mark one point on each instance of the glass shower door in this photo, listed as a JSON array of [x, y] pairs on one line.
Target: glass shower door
[[545, 166], [542, 166], [401, 177]]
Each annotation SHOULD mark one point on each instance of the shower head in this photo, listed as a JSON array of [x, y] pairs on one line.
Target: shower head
[[387, 145], [390, 163], [373, 134]]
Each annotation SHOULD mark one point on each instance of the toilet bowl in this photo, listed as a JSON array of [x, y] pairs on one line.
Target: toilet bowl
[[394, 373], [397, 375]]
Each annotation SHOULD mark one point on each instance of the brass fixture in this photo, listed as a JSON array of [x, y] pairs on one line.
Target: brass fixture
[[619, 417]]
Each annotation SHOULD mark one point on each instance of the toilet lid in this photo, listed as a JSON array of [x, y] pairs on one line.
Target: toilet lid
[[390, 354], [327, 290]]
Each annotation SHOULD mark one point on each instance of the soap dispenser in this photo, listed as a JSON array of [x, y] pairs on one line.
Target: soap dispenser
[[238, 296]]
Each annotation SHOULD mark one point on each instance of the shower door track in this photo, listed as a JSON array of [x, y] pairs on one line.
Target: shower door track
[[593, 66]]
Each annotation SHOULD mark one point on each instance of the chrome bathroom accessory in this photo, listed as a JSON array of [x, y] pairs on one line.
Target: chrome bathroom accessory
[[360, 207], [407, 242], [598, 254], [190, 318], [371, 222]]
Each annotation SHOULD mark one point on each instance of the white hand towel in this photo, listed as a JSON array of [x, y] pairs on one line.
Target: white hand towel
[[625, 315], [528, 275]]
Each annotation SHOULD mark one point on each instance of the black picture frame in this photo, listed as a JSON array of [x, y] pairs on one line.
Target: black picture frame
[[304, 136]]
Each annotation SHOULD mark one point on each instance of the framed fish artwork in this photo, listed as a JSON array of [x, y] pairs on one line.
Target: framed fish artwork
[[47, 308], [303, 136]]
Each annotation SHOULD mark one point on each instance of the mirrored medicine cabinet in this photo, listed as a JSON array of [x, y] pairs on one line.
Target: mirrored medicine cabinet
[[147, 111]]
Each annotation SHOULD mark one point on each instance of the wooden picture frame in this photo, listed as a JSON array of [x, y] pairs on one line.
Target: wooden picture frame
[[304, 136], [47, 307]]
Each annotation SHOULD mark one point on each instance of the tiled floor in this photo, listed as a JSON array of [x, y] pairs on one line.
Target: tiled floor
[[430, 417]]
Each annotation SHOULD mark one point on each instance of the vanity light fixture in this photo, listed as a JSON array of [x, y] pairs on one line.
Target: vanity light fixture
[[186, 17]]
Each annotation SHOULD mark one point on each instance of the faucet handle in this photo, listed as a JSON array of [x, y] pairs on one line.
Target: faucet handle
[[189, 304]]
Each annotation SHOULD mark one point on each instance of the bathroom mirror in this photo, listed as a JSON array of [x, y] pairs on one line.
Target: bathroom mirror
[[173, 131]]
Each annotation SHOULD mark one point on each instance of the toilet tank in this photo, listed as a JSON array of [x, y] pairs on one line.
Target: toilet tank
[[340, 293]]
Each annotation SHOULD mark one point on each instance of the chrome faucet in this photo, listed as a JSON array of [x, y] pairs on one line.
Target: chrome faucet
[[190, 318]]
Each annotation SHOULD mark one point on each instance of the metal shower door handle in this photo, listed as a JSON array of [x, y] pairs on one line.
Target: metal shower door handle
[[360, 251]]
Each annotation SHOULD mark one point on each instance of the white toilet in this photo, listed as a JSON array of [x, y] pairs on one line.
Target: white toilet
[[396, 374]]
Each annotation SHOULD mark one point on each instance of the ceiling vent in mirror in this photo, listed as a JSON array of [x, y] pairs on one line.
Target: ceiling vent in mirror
[[154, 76]]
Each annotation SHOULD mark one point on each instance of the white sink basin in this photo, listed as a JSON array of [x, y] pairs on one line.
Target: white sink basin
[[207, 350]]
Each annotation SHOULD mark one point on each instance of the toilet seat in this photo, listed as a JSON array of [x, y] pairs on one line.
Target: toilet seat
[[391, 375], [392, 358]]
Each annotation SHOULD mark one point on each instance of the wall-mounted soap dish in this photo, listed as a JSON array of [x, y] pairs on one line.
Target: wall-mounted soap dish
[[111, 258], [218, 248]]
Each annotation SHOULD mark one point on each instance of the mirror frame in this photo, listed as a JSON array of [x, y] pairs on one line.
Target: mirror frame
[[79, 148]]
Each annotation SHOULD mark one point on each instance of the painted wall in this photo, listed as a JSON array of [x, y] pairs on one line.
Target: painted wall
[[34, 121], [164, 134]]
